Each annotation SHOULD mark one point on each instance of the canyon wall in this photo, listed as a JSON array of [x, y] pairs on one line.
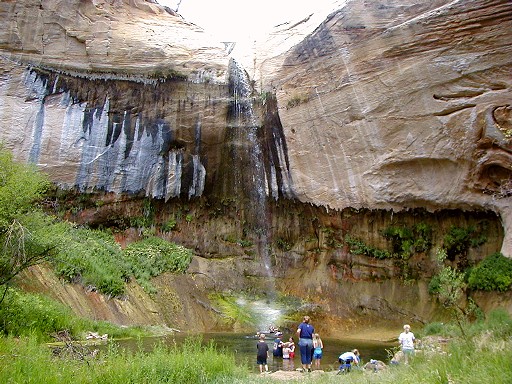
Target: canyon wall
[[396, 104], [390, 107]]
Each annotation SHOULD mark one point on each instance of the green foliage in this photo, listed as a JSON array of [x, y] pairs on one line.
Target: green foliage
[[20, 186], [408, 241], [283, 244], [147, 218], [245, 243], [189, 362], [448, 286], [23, 246], [152, 256], [485, 358], [37, 316], [24, 314], [458, 240], [94, 259], [169, 225], [358, 247], [235, 312], [330, 238], [90, 257], [494, 273]]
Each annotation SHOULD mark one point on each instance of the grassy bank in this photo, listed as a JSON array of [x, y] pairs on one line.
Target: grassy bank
[[27, 361], [483, 357]]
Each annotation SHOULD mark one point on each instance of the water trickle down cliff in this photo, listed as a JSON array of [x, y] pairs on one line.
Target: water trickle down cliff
[[245, 178], [121, 135]]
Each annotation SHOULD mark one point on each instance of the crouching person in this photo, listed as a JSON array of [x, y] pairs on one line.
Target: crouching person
[[347, 359]]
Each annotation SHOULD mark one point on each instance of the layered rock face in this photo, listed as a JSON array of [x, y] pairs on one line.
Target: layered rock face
[[399, 104], [383, 105]]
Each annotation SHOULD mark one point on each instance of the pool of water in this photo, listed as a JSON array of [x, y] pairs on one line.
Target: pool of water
[[243, 347]]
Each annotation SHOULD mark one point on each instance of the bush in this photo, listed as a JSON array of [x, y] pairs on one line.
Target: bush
[[90, 257], [20, 186], [25, 314], [38, 316], [494, 273], [152, 256], [358, 247], [458, 240], [407, 241]]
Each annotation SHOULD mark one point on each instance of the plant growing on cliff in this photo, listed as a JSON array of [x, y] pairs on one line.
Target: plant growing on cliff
[[297, 100], [494, 273], [449, 286], [152, 256], [358, 247], [459, 240], [90, 257], [408, 241]]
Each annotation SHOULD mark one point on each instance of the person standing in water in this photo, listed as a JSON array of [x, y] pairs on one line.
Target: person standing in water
[[406, 341], [291, 344], [305, 334], [318, 346], [262, 355]]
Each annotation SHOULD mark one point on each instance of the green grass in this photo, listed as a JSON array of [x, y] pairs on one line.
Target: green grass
[[38, 317], [486, 359], [26, 361], [483, 358]]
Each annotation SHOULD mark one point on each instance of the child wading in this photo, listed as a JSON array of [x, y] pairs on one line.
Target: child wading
[[318, 346], [262, 356]]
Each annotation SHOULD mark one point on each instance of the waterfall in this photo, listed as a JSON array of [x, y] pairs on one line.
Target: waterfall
[[249, 176]]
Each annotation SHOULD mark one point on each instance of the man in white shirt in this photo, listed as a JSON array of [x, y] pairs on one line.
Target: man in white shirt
[[406, 341]]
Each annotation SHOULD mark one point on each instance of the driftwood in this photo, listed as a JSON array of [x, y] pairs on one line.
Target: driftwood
[[72, 349]]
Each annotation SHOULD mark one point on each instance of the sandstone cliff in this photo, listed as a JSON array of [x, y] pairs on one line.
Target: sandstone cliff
[[386, 106], [399, 104]]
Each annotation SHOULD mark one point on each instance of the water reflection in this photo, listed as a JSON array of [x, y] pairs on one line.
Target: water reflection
[[244, 348]]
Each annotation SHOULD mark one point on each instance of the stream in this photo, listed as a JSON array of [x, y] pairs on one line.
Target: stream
[[244, 348]]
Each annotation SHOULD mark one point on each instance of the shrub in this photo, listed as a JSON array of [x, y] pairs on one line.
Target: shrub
[[152, 256], [25, 314], [20, 186], [358, 247], [407, 241], [169, 225], [90, 257], [494, 273], [458, 240]]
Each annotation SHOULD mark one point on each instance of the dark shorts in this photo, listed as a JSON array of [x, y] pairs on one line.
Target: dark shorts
[[261, 360]]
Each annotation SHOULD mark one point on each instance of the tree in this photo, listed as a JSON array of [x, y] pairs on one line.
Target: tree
[[449, 287], [21, 186]]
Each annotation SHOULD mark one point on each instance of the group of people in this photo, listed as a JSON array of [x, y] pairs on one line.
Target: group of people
[[286, 350], [311, 348]]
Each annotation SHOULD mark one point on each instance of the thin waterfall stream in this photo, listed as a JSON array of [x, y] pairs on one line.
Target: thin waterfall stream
[[249, 169]]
